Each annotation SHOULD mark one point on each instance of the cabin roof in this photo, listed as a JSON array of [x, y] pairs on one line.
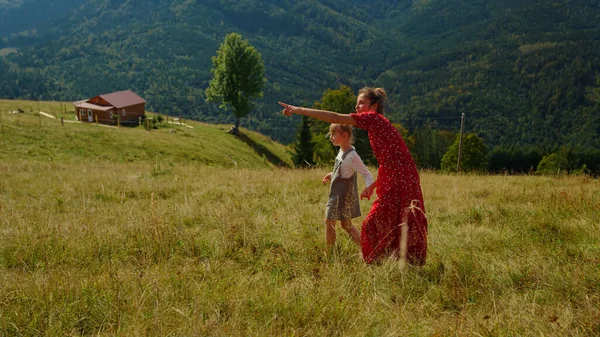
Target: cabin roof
[[123, 98], [85, 105]]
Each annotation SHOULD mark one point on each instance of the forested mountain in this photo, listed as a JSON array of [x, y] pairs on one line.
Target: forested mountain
[[523, 72], [22, 15]]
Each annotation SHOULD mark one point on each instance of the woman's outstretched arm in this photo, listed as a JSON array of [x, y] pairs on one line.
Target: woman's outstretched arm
[[324, 115]]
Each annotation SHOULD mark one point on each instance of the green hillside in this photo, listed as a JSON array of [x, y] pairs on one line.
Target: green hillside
[[29, 135], [21, 15], [524, 73]]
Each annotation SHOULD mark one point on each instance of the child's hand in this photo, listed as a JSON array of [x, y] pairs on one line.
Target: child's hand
[[326, 178], [367, 192]]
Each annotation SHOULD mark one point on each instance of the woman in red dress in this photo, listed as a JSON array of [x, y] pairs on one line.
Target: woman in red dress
[[396, 223]]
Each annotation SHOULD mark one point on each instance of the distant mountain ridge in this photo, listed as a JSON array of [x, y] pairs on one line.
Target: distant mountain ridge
[[522, 72], [21, 15]]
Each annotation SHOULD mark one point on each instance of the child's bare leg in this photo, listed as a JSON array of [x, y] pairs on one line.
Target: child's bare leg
[[330, 232], [354, 234]]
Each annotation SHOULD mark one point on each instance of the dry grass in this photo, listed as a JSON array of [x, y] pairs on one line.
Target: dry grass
[[117, 249]]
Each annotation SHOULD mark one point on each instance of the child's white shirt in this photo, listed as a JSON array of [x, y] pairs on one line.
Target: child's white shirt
[[352, 163]]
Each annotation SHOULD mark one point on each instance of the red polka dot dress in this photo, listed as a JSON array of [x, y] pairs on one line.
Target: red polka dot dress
[[398, 195]]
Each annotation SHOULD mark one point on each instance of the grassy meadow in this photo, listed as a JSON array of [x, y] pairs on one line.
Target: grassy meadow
[[157, 244]]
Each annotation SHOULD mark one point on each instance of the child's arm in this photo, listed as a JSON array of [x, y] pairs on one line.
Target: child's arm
[[368, 191], [358, 165]]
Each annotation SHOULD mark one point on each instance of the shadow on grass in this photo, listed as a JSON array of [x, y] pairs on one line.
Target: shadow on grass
[[263, 151]]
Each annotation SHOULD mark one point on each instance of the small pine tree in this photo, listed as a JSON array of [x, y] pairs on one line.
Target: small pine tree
[[304, 147]]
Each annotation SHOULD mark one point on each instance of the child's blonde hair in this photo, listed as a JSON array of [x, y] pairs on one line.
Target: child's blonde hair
[[343, 129]]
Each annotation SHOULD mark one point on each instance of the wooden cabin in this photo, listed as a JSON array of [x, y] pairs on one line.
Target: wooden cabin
[[107, 109]]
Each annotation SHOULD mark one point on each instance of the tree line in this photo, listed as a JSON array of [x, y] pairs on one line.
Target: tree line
[[437, 149]]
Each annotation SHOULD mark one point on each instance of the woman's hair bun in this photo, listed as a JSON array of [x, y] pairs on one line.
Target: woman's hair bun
[[380, 92]]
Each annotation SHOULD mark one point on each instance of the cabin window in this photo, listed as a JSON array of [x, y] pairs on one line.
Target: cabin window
[[110, 115], [123, 112], [83, 113]]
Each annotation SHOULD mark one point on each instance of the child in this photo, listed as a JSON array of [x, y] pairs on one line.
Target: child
[[343, 194]]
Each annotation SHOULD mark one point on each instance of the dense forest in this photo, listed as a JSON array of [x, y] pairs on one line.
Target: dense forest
[[21, 15], [525, 73]]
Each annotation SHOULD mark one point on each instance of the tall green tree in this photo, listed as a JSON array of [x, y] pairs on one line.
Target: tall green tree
[[238, 76], [304, 146], [555, 163], [473, 155]]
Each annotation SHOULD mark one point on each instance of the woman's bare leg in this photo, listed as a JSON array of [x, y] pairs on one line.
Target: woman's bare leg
[[403, 238]]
